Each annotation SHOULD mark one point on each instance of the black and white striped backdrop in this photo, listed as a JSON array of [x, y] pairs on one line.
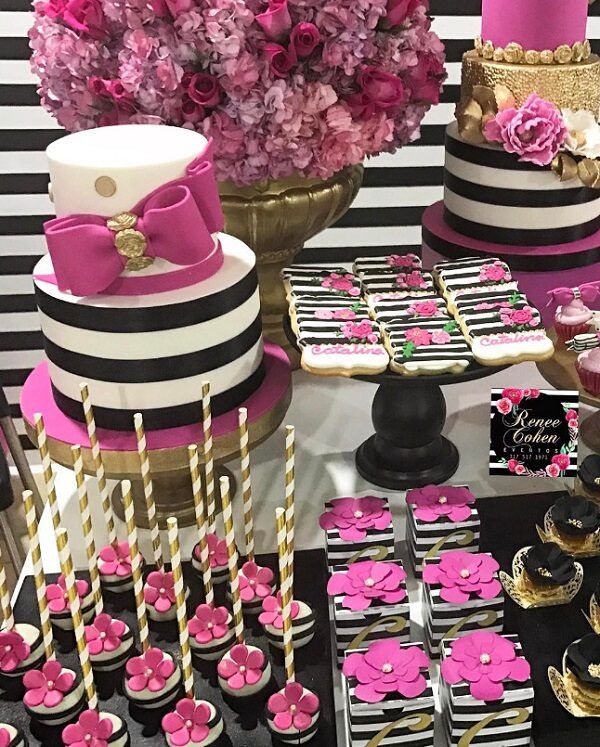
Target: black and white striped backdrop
[[387, 212]]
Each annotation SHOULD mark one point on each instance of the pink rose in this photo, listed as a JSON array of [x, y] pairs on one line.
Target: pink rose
[[384, 90], [534, 393], [440, 337], [561, 460], [275, 21], [402, 260], [281, 60], [305, 38], [204, 89], [512, 465], [425, 79], [553, 470], [574, 423], [54, 8], [420, 337], [98, 86], [571, 415], [398, 11], [190, 110], [344, 314], [116, 91], [323, 314], [425, 308], [86, 16], [177, 7], [522, 316], [514, 395], [412, 279], [504, 406], [495, 271], [535, 131], [337, 282], [520, 469]]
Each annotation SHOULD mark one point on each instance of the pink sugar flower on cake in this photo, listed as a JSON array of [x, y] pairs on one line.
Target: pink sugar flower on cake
[[116, 561], [272, 613], [353, 517], [57, 596], [341, 283], [159, 590], [387, 668], [104, 634], [462, 574], [433, 502], [484, 660], [208, 623], [366, 582], [89, 731], [150, 670], [255, 581], [242, 667], [13, 650], [47, 686], [188, 722], [293, 707]]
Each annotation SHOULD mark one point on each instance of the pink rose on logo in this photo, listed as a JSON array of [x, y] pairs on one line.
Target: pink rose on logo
[[424, 308], [535, 131], [561, 460], [401, 260], [353, 517], [434, 501], [514, 395], [420, 337], [368, 581], [461, 574], [341, 283], [440, 337], [86, 16], [494, 272], [571, 415], [305, 38], [534, 393], [520, 469], [512, 465], [504, 406], [553, 470]]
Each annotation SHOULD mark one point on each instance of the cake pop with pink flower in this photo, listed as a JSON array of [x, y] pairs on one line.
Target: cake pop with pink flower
[[114, 566], [11, 736], [159, 595], [293, 714], [217, 553], [58, 603], [193, 723], [96, 729], [54, 695], [152, 680], [211, 632], [21, 649], [110, 642]]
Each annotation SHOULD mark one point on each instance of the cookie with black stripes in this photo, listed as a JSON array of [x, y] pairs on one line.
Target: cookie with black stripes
[[302, 280], [472, 275], [376, 273]]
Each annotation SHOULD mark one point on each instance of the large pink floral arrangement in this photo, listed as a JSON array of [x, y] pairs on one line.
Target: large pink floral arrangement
[[283, 86]]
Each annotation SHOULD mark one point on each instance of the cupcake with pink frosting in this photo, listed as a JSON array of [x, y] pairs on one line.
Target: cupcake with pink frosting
[[588, 368], [572, 318]]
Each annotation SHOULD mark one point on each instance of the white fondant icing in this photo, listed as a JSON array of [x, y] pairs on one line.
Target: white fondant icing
[[302, 631], [214, 732]]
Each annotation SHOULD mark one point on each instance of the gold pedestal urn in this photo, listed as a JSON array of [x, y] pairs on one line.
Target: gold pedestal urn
[[275, 219]]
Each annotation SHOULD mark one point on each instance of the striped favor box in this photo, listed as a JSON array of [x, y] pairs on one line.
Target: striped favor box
[[394, 721], [355, 629], [499, 723]]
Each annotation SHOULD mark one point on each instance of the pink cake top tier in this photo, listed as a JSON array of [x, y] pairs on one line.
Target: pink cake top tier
[[534, 24]]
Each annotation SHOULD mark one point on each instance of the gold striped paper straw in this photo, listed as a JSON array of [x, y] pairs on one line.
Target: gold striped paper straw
[[88, 532], [38, 573], [289, 500], [42, 444], [88, 412], [184, 636], [209, 472], [66, 566], [148, 490], [7, 610], [209, 594], [234, 581], [136, 569], [286, 597], [246, 483]]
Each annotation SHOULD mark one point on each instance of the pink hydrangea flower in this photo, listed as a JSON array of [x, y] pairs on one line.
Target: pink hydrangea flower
[[89, 731], [159, 590], [440, 337], [341, 283], [116, 561], [484, 660], [352, 517], [255, 581], [293, 707], [217, 551], [387, 668], [366, 582], [441, 501], [420, 337], [104, 634], [494, 272], [150, 670], [535, 131], [13, 650], [47, 686], [209, 623], [272, 611], [57, 596], [188, 722], [462, 574], [242, 667]]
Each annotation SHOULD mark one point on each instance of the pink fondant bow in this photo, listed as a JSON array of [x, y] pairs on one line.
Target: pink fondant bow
[[588, 292], [176, 221]]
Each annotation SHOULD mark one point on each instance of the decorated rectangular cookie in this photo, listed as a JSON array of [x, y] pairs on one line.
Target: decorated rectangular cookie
[[304, 308], [339, 340], [472, 275], [315, 281], [400, 282], [502, 327], [390, 263], [387, 308]]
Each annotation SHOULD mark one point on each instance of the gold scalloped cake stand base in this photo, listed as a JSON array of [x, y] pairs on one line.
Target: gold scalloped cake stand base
[[559, 371]]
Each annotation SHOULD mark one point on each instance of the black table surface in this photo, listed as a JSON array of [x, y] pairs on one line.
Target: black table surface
[[507, 524], [245, 726]]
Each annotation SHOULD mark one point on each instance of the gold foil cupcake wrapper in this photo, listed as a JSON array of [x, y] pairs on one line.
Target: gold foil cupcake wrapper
[[585, 547], [527, 595], [514, 53], [578, 700]]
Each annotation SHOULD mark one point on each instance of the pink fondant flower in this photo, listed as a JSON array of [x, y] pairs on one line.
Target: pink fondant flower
[[424, 308], [366, 582], [275, 21], [504, 406], [519, 317], [217, 551], [401, 260], [209, 623], [47, 686], [305, 38], [56, 594], [89, 731], [420, 337], [341, 283], [561, 460], [159, 590], [188, 723], [440, 337], [484, 660], [553, 470], [104, 634], [116, 561], [434, 501], [535, 131], [462, 574], [150, 670], [13, 650], [272, 611], [387, 668], [412, 279], [494, 272], [293, 707], [514, 395], [255, 581], [242, 667], [354, 516]]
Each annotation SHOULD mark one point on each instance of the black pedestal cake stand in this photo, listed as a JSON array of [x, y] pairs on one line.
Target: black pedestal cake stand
[[407, 449]]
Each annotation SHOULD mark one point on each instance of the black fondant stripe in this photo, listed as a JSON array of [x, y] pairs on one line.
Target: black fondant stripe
[[519, 263], [155, 369], [521, 236], [148, 318], [163, 417], [526, 198], [494, 157]]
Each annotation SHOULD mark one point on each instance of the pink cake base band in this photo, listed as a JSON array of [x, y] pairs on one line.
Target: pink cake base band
[[440, 242], [168, 281], [36, 396], [535, 24]]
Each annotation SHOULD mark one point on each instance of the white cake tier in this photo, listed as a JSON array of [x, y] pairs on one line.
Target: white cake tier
[[492, 196], [151, 353], [107, 170]]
